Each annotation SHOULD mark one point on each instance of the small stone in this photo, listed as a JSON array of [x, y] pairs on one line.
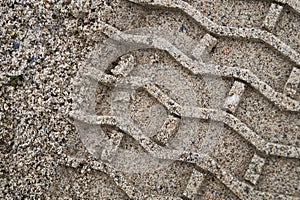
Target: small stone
[[5, 106], [13, 33], [182, 29], [16, 45]]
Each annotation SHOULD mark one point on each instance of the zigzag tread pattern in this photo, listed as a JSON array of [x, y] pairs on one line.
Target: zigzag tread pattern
[[228, 119], [280, 99], [241, 189], [210, 26]]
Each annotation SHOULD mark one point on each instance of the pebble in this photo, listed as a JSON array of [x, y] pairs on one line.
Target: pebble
[[16, 45]]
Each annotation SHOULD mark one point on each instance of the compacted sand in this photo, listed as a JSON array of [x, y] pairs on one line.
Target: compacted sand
[[140, 99]]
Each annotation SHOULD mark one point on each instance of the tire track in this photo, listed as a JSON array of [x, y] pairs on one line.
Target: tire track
[[203, 161], [200, 113], [247, 33], [280, 99]]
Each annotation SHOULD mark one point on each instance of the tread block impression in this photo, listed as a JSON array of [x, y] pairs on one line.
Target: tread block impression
[[293, 83], [254, 169], [272, 17], [194, 184], [234, 96]]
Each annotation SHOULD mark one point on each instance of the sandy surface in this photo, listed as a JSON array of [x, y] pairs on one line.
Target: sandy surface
[[140, 99]]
